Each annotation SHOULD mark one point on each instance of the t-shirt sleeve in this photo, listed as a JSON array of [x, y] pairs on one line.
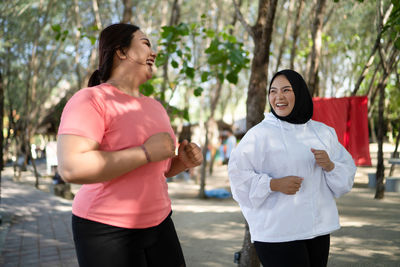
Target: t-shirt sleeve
[[83, 115]]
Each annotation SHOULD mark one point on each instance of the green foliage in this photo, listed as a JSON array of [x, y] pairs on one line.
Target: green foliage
[[393, 93], [393, 24], [199, 52], [176, 112], [393, 111], [198, 91], [60, 35], [147, 88], [337, 1], [225, 58], [228, 55], [90, 33]]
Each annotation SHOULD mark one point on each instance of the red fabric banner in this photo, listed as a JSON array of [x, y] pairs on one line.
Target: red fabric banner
[[349, 117]]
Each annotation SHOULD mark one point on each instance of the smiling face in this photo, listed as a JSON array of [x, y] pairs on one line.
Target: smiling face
[[140, 53], [281, 96]]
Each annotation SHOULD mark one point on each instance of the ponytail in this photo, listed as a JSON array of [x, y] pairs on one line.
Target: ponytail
[[115, 36], [104, 72], [94, 79]]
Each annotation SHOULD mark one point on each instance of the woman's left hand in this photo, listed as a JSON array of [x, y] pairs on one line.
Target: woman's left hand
[[190, 154], [323, 160]]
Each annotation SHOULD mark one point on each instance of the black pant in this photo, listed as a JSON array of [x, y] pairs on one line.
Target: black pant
[[301, 253], [102, 245]]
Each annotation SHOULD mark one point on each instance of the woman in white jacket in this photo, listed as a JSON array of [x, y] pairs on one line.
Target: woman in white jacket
[[286, 173]]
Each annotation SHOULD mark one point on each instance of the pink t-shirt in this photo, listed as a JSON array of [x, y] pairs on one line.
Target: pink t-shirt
[[139, 198]]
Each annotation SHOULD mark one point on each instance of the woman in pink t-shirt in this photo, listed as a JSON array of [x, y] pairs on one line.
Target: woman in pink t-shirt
[[120, 146]]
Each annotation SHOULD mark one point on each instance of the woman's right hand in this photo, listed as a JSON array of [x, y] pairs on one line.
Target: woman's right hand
[[160, 146], [288, 185]]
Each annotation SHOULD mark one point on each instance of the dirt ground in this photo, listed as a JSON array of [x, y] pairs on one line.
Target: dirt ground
[[212, 230]]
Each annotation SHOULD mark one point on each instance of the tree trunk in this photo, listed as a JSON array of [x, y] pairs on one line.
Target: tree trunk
[[295, 33], [174, 19], [387, 66], [93, 53], [207, 125], [372, 127], [202, 193], [1, 135], [97, 20], [370, 93], [33, 161], [11, 123], [127, 14], [285, 36], [395, 150], [6, 88], [262, 34], [212, 161], [248, 251], [1, 124], [28, 100], [77, 41], [224, 104], [316, 34], [30, 94], [380, 168], [257, 91]]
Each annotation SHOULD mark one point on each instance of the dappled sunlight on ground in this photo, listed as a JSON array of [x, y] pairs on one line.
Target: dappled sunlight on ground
[[370, 233], [362, 250], [343, 223], [204, 208], [212, 230], [216, 231]]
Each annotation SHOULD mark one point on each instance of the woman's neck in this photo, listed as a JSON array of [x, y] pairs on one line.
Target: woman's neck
[[125, 86]]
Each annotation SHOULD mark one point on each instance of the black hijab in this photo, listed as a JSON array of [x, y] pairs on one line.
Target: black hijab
[[303, 105]]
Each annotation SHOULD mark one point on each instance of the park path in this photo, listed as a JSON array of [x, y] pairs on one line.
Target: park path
[[36, 224]]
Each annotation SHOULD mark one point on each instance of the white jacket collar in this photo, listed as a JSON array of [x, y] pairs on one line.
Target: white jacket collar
[[271, 119]]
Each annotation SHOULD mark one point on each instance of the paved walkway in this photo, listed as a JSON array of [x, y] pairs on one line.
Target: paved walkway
[[36, 225]]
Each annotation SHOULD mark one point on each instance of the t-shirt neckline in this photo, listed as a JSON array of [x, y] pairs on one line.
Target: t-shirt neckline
[[141, 96]]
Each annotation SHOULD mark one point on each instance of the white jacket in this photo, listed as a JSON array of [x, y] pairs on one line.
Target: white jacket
[[274, 149]]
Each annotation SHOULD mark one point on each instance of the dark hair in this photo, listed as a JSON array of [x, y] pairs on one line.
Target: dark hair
[[303, 105], [114, 37]]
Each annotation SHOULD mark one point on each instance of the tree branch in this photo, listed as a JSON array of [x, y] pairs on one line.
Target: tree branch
[[239, 15], [383, 60], [328, 17], [380, 24]]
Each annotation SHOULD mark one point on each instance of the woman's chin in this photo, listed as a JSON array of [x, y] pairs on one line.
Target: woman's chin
[[282, 113], [149, 75]]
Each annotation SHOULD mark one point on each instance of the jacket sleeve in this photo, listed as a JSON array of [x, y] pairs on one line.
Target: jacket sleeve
[[249, 188], [340, 180]]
